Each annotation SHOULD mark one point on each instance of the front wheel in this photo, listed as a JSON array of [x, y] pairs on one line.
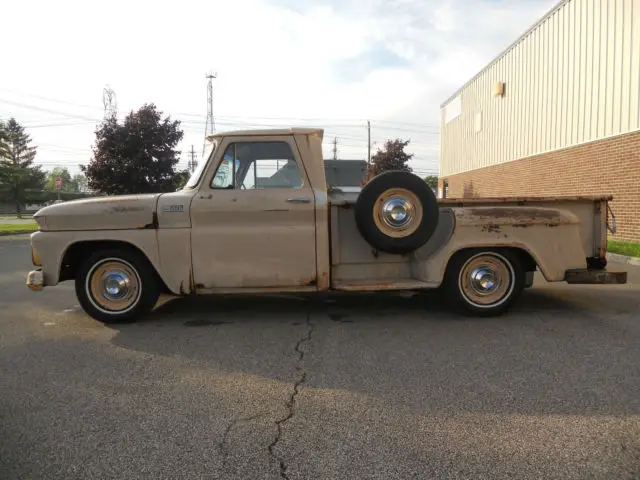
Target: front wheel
[[116, 286], [484, 282]]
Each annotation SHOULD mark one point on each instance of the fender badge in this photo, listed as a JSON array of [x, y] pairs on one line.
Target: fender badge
[[173, 208]]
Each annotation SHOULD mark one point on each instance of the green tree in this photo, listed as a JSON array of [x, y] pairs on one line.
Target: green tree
[[432, 181], [63, 173], [75, 184], [21, 182], [80, 182], [181, 178], [137, 156], [391, 157]]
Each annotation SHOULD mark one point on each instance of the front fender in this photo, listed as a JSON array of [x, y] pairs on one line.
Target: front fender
[[51, 247]]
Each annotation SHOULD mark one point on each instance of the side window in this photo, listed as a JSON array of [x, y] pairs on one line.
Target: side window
[[258, 165]]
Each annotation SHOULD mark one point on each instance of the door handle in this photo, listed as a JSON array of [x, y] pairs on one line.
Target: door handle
[[298, 200]]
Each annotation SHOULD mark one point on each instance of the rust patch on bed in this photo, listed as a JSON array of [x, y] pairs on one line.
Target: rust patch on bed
[[491, 228]]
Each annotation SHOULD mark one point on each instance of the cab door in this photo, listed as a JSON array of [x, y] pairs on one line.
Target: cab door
[[253, 219]]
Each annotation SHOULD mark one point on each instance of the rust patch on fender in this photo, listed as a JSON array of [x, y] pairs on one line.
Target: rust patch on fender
[[150, 226], [308, 281], [323, 282]]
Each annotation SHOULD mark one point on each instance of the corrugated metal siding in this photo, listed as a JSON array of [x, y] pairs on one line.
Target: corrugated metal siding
[[573, 79]]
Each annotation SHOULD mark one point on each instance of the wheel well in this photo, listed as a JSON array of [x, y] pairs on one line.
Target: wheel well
[[77, 252], [528, 263]]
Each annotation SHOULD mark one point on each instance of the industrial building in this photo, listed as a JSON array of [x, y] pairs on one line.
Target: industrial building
[[556, 113]]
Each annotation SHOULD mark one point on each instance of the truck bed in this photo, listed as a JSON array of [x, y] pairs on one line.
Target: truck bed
[[355, 266], [349, 195]]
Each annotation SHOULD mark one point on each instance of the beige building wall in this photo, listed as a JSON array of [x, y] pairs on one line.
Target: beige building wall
[[573, 78]]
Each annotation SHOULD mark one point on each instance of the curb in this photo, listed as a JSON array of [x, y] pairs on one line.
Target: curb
[[18, 232], [615, 257]]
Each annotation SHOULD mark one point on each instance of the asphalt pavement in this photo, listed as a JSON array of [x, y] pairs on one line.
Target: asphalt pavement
[[351, 386]]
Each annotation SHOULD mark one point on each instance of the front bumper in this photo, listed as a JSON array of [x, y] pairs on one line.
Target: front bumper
[[35, 280], [595, 276]]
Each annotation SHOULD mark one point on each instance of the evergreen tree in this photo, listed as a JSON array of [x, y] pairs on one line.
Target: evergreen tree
[[21, 182]]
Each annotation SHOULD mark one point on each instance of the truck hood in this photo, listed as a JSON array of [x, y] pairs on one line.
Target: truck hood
[[102, 213]]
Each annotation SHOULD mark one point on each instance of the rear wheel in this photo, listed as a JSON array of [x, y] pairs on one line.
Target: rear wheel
[[116, 286], [484, 282]]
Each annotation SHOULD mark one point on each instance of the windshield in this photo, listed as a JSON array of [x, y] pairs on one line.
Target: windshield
[[197, 173]]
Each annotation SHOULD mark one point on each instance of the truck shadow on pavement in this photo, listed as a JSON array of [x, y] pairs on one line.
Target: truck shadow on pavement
[[211, 310], [545, 355]]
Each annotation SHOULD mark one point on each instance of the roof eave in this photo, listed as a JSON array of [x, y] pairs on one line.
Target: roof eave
[[533, 27]]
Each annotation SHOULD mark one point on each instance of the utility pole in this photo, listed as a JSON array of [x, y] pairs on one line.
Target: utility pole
[[368, 142], [335, 148], [110, 102], [192, 164], [210, 126]]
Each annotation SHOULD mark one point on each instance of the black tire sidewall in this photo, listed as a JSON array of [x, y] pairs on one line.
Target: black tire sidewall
[[148, 286], [365, 205], [457, 298]]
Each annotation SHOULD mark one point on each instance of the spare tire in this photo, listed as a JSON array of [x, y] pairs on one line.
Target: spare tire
[[396, 212]]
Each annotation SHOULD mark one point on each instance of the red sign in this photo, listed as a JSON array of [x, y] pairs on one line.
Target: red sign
[[58, 183]]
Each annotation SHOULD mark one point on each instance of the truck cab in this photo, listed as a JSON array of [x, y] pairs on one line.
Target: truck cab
[[257, 216]]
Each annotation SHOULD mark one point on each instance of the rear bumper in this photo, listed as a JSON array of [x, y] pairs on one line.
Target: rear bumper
[[587, 276]]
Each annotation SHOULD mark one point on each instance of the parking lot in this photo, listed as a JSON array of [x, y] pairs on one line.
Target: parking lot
[[368, 386]]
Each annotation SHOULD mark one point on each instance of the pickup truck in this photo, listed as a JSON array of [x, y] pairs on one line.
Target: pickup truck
[[257, 216]]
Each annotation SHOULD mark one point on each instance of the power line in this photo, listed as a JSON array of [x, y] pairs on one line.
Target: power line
[[357, 122], [32, 107], [64, 102]]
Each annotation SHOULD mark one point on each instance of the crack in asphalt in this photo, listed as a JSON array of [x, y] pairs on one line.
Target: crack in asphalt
[[291, 402]]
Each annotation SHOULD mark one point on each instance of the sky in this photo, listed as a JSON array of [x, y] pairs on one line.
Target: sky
[[330, 64]]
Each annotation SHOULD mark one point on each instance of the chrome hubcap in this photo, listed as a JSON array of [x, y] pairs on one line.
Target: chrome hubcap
[[115, 285], [397, 212], [484, 280]]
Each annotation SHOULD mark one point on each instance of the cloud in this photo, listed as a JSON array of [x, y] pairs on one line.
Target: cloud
[[279, 62]]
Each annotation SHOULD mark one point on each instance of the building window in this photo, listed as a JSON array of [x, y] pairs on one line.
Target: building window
[[445, 188]]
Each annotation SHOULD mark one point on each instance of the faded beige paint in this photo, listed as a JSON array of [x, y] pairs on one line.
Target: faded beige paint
[[573, 78], [253, 238], [52, 246], [207, 240], [310, 148], [100, 213]]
